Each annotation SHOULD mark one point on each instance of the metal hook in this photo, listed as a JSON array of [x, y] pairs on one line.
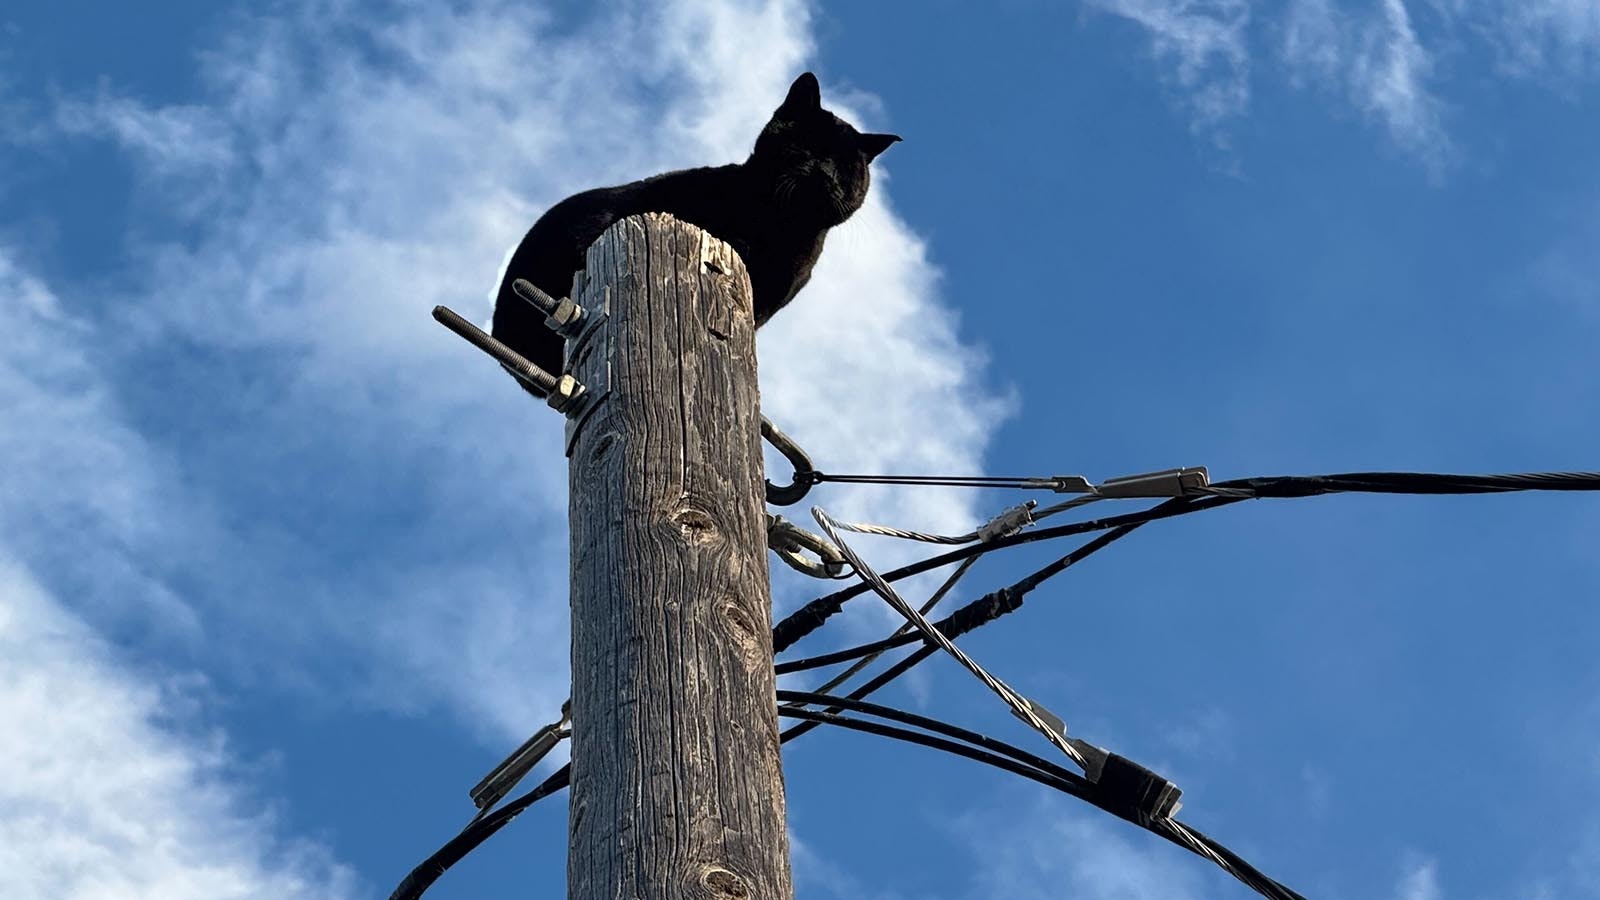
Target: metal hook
[[788, 540], [804, 471]]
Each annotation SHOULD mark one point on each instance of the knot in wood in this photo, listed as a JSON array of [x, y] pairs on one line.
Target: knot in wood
[[696, 524], [738, 620], [725, 885]]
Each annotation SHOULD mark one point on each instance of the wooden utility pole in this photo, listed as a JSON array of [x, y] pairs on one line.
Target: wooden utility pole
[[677, 785]]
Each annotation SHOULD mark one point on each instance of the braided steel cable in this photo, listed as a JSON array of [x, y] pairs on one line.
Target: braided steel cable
[[813, 615], [905, 629], [907, 534], [1022, 706], [977, 613]]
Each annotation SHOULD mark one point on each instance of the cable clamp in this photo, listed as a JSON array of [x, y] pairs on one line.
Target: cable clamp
[[1008, 522], [1094, 757], [1165, 483], [1122, 786], [1134, 792], [1061, 484], [789, 540], [515, 767]]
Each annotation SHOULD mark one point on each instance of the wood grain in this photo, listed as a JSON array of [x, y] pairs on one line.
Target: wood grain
[[677, 785]]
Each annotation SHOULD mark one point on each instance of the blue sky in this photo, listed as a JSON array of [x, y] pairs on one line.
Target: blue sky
[[282, 563]]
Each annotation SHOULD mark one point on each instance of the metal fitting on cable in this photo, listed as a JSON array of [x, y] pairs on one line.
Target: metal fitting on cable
[[561, 316], [1061, 484], [1180, 482], [1166, 483], [1121, 785], [788, 540], [1008, 522], [515, 767], [1130, 790]]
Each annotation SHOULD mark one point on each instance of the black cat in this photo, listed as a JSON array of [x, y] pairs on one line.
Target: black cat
[[808, 173]]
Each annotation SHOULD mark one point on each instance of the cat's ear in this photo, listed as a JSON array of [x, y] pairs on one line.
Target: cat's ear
[[805, 95], [873, 144]]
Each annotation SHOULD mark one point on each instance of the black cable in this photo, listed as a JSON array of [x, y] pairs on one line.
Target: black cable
[[428, 871], [1008, 758], [968, 744], [817, 698], [906, 664], [904, 630], [986, 608], [1279, 486], [810, 617], [979, 612], [989, 607], [1272, 486]]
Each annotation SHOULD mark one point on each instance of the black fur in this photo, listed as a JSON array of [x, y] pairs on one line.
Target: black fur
[[808, 173]]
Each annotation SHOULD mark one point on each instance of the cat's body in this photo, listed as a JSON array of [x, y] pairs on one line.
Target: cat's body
[[807, 174]]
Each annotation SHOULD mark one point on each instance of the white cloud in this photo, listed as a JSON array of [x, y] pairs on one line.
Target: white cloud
[[815, 876], [101, 797], [1374, 59], [358, 483], [168, 139], [79, 487], [1204, 42], [1369, 55], [1051, 850], [1378, 62], [1312, 41], [1541, 38], [1419, 882], [1388, 73]]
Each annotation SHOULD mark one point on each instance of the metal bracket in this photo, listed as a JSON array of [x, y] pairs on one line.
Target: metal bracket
[[588, 356], [788, 540]]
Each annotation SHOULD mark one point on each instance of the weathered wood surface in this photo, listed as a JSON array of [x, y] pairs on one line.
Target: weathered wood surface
[[677, 786]]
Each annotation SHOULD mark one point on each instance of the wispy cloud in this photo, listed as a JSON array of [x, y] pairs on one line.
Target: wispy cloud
[[167, 139], [1052, 850], [1371, 56], [1377, 61], [1388, 72], [103, 795], [80, 487], [1419, 882], [1547, 38], [1203, 46], [816, 876]]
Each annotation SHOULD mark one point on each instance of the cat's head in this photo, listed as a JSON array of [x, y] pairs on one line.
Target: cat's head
[[816, 162]]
